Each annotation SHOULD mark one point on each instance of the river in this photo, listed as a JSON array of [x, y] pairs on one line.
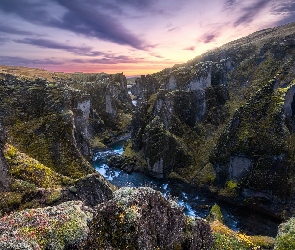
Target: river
[[195, 204]]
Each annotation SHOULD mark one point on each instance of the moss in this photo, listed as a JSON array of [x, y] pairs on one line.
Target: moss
[[22, 186], [10, 201], [285, 239], [215, 214], [131, 221], [31, 171], [230, 189], [53, 196], [225, 238], [97, 143], [49, 140], [64, 226], [206, 176]]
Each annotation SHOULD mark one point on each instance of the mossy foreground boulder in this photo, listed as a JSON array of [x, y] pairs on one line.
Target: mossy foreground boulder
[[56, 228], [143, 219], [285, 239]]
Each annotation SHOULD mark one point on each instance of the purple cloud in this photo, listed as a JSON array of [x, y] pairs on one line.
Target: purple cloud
[[208, 38], [287, 10], [44, 43], [173, 29], [3, 40], [79, 18], [191, 48], [250, 12], [112, 59], [11, 30], [229, 4], [20, 61]]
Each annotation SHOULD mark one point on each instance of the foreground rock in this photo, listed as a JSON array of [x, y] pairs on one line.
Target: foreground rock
[[143, 219], [286, 236], [56, 228], [34, 185]]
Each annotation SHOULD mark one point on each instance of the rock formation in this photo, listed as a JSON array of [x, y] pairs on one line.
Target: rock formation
[[143, 219], [58, 120]]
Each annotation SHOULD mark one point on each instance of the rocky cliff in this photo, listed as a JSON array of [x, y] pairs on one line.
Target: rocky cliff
[[224, 120], [58, 119]]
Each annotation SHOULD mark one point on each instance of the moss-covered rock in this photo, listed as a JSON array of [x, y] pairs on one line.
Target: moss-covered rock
[[215, 214], [225, 238], [285, 239], [60, 227], [27, 169], [143, 219]]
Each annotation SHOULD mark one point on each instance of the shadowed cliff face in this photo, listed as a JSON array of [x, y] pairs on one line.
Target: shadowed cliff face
[[224, 120]]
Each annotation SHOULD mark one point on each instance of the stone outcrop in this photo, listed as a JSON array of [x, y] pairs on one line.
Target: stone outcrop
[[59, 120], [285, 238], [92, 190], [60, 227], [143, 219]]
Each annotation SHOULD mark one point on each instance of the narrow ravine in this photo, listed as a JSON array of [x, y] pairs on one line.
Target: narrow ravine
[[194, 204]]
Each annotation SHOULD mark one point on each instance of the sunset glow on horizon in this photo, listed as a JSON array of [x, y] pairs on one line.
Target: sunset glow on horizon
[[133, 36]]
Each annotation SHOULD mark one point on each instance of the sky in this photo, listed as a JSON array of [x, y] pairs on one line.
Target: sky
[[131, 36]]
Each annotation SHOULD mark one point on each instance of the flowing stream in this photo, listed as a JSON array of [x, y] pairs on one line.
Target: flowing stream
[[195, 204]]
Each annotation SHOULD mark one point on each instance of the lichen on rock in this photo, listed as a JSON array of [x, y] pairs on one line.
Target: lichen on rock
[[61, 227], [141, 218]]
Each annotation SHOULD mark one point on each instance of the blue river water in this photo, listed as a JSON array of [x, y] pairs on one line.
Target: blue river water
[[194, 203]]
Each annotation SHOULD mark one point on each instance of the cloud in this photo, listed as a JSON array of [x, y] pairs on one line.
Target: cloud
[[156, 55], [173, 29], [3, 40], [44, 43], [191, 48], [229, 4], [112, 59], [247, 14], [286, 10], [95, 23], [32, 11], [79, 18], [287, 7], [11, 30], [20, 61], [208, 38]]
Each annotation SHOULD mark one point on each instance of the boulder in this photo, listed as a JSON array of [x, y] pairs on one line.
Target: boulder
[[60, 227], [141, 218], [91, 189]]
